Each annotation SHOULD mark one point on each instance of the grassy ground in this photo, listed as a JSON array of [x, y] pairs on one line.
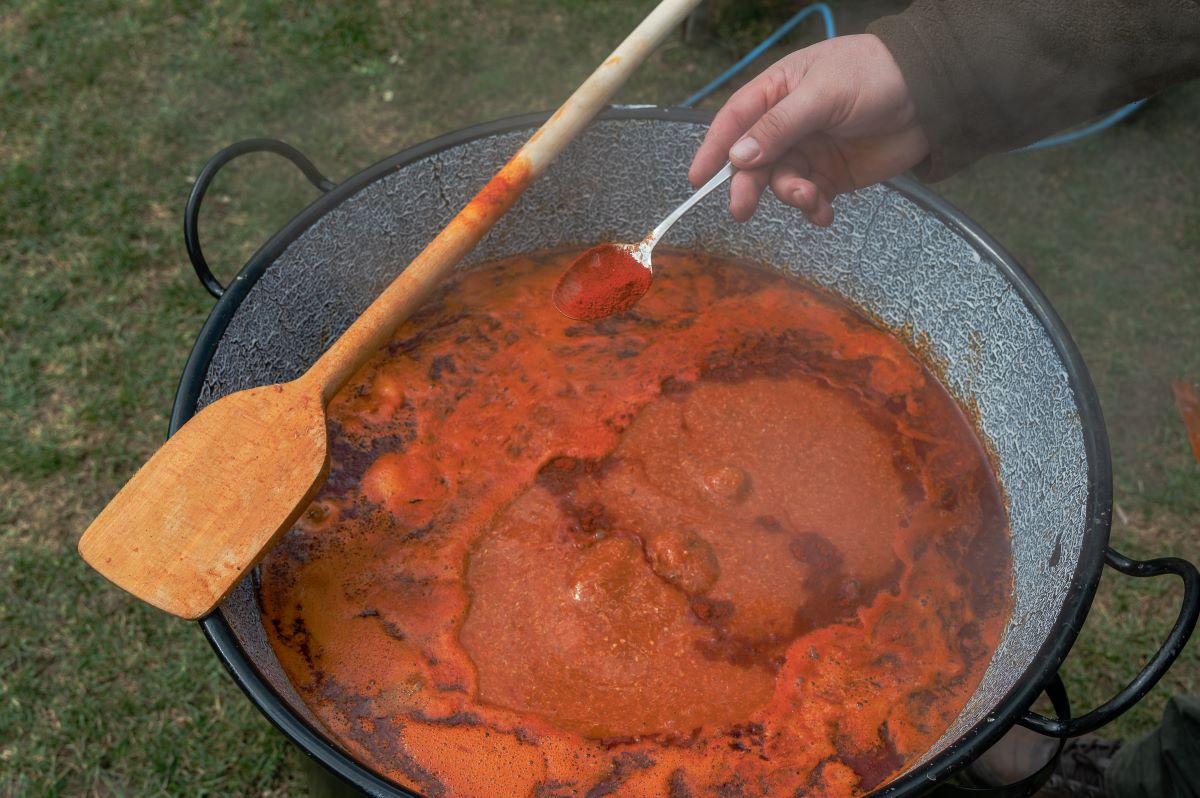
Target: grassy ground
[[107, 111]]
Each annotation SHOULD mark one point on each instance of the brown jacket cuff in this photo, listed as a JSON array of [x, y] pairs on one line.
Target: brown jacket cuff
[[932, 92]]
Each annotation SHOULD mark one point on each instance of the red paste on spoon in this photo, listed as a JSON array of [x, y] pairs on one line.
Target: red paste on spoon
[[606, 279]]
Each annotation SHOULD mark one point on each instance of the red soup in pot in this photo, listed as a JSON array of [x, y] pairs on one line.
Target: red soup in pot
[[737, 541]]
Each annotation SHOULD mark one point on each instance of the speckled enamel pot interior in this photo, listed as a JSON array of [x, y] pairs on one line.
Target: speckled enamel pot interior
[[896, 251]]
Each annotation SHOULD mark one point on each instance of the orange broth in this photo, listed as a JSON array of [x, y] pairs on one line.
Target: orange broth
[[737, 541]]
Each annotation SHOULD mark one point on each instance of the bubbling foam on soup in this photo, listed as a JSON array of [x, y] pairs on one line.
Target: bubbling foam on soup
[[737, 541]]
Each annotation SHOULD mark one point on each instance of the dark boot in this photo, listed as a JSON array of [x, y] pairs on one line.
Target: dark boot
[[1021, 752]]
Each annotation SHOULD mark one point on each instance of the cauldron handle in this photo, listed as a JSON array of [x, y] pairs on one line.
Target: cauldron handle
[[1158, 664], [191, 213]]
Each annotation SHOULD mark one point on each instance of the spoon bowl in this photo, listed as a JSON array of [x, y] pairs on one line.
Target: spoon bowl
[[610, 278]]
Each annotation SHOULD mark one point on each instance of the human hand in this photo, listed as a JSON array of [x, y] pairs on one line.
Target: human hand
[[828, 119]]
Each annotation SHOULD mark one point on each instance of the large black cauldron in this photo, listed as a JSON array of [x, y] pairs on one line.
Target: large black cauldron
[[898, 251]]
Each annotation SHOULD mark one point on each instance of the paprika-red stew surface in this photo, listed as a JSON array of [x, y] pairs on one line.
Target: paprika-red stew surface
[[737, 541]]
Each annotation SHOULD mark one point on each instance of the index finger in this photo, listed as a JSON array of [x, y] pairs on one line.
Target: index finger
[[740, 112]]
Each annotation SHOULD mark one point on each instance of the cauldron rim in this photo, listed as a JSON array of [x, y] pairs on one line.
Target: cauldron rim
[[1044, 667]]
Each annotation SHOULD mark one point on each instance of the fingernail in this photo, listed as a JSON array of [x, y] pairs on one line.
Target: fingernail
[[745, 150]]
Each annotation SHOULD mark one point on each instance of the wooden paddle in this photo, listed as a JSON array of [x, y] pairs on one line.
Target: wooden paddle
[[181, 541]]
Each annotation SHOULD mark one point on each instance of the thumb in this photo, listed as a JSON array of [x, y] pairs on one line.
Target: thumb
[[798, 115]]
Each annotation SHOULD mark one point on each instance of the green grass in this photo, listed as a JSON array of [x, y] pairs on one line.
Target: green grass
[[108, 110]]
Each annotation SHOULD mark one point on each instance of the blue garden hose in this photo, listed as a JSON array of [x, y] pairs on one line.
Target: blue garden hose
[[831, 30], [766, 44], [1095, 127]]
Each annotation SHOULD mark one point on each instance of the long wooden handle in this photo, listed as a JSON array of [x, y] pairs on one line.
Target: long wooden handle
[[414, 285]]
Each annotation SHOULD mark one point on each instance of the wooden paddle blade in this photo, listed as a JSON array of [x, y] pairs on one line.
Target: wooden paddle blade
[[207, 506]]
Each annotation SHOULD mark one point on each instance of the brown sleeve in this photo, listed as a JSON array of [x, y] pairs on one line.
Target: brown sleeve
[[988, 76]]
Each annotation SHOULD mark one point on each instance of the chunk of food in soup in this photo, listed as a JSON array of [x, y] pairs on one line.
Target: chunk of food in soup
[[738, 542]]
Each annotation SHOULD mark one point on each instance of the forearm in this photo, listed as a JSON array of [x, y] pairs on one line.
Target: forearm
[[990, 76]]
